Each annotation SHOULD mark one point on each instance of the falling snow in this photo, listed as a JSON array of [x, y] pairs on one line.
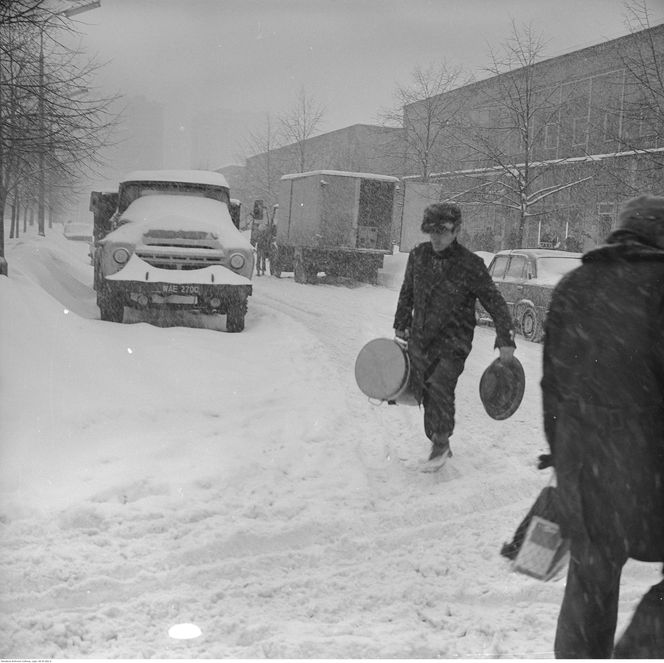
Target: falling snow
[[240, 485]]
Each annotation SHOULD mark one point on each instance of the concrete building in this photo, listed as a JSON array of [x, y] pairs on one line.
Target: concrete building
[[565, 140], [358, 148]]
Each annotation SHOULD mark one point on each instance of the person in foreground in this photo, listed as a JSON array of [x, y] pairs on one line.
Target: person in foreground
[[603, 406], [436, 316]]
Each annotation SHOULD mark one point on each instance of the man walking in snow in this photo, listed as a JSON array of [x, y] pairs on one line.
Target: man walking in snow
[[263, 239], [436, 315], [603, 401]]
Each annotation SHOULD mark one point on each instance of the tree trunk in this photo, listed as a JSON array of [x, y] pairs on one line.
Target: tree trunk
[[13, 228], [522, 228], [2, 225]]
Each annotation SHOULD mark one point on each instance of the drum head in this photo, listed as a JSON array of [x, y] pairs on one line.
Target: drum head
[[382, 368]]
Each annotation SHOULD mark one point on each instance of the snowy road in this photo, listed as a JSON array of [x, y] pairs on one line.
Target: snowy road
[[160, 475]]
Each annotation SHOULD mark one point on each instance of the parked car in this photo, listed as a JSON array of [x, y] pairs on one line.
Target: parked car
[[526, 279], [78, 230]]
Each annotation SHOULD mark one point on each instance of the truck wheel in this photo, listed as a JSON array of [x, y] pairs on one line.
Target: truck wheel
[[274, 270], [372, 276], [235, 316], [365, 272], [274, 263], [111, 309], [311, 272], [275, 267], [304, 270], [299, 273]]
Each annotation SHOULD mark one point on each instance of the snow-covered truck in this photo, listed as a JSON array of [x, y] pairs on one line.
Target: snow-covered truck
[[166, 240], [335, 222]]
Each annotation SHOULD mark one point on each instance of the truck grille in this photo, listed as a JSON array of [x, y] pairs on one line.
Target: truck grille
[[180, 257]]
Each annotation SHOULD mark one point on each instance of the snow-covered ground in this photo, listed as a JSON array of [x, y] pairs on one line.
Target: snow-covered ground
[[153, 476]]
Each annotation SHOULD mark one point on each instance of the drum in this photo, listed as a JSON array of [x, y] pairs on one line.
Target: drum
[[382, 371]]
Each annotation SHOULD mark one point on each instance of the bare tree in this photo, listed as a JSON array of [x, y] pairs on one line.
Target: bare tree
[[644, 66], [505, 135], [636, 124], [426, 112], [50, 126], [14, 13], [300, 124], [263, 169]]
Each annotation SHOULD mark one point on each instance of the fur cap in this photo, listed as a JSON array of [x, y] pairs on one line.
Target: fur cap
[[438, 214], [644, 216]]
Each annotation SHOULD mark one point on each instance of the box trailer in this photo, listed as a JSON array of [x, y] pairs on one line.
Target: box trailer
[[335, 222]]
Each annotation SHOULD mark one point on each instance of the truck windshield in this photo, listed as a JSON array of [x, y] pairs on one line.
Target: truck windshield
[[130, 191]]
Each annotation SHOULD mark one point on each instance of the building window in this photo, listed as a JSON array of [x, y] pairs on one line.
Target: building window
[[579, 130], [646, 124], [604, 226], [610, 126], [606, 217], [551, 136], [481, 117]]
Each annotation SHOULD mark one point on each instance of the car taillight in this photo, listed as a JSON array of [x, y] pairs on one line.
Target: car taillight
[[237, 261], [121, 256]]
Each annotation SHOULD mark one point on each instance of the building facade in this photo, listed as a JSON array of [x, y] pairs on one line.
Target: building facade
[[545, 155], [358, 148]]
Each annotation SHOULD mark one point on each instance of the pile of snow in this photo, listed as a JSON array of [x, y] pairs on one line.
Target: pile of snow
[[154, 477]]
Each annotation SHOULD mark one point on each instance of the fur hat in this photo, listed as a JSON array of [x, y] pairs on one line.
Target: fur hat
[[438, 214], [644, 216]]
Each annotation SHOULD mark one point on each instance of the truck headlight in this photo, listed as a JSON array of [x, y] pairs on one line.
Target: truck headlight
[[121, 256], [237, 261]]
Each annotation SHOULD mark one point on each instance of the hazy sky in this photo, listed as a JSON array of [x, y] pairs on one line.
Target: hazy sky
[[256, 55]]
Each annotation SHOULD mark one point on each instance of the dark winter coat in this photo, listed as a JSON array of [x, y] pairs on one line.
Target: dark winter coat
[[603, 397], [437, 304], [437, 300], [263, 239]]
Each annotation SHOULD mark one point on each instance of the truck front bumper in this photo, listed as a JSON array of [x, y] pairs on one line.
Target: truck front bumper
[[205, 298], [211, 289]]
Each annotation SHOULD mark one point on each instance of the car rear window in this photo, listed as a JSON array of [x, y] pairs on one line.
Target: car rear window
[[497, 269], [517, 268]]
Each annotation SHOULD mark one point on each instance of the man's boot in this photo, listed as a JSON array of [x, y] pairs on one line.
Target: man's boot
[[440, 448]]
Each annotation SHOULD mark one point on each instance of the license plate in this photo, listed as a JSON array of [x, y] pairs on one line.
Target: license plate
[[174, 299], [180, 289]]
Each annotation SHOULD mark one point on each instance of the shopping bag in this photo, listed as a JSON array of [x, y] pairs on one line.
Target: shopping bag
[[538, 548], [544, 552]]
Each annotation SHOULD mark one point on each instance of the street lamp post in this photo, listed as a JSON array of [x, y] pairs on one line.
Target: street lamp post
[[73, 11]]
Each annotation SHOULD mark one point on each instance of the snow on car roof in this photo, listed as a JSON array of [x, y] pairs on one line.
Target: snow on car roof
[[341, 173], [540, 253], [186, 176]]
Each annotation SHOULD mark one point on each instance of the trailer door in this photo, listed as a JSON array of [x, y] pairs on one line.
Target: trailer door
[[374, 218]]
